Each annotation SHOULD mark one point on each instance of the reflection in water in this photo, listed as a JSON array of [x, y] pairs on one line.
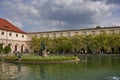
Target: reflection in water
[[83, 59], [89, 68], [11, 71], [42, 72], [112, 78]]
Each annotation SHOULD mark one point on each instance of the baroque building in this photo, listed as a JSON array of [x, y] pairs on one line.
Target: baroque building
[[19, 40], [12, 36]]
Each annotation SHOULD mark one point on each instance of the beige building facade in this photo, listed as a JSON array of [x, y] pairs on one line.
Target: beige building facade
[[17, 41], [69, 33]]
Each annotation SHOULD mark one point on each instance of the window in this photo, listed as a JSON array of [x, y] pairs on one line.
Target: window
[[16, 35], [112, 31], [68, 34], [2, 33], [41, 35], [54, 35], [48, 35], [9, 44], [10, 34], [84, 33], [93, 32], [22, 36], [76, 33], [102, 31], [35, 35], [61, 34]]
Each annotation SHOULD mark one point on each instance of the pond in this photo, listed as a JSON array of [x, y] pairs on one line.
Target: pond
[[88, 68]]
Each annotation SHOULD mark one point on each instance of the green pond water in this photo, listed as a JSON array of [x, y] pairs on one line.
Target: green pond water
[[88, 68]]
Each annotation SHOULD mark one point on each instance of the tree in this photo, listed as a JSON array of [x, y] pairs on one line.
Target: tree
[[7, 49], [98, 27], [35, 44], [1, 48], [91, 43]]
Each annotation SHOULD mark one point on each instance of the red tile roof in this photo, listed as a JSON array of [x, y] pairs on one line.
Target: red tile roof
[[6, 25]]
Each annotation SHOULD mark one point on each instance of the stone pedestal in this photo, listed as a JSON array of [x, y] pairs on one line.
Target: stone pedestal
[[44, 53]]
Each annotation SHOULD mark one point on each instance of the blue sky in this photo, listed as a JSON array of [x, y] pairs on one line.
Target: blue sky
[[50, 15]]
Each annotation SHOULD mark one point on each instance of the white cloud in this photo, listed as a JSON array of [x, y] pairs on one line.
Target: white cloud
[[57, 14], [16, 23]]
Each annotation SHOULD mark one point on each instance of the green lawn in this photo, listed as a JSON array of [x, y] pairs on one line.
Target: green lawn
[[35, 58]]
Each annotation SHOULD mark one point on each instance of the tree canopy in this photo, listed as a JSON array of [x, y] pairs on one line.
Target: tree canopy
[[92, 43]]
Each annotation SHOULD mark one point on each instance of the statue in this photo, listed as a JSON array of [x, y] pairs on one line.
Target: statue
[[43, 49]]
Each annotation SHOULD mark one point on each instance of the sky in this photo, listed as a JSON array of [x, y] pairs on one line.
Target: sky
[[53, 15]]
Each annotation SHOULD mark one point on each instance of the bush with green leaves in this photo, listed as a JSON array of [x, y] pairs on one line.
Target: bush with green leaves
[[1, 48], [7, 49]]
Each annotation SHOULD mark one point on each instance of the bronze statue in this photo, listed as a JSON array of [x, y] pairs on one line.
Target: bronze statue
[[43, 49]]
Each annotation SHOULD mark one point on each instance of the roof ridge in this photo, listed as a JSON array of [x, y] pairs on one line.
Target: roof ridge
[[76, 29]]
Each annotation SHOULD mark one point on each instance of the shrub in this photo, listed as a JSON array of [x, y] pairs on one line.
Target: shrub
[[1, 49], [7, 49]]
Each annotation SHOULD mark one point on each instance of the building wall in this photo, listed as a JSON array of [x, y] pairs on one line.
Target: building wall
[[13, 39], [69, 33], [12, 35]]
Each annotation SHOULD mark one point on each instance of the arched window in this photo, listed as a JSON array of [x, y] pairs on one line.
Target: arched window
[[16, 47], [22, 47], [10, 44], [1, 45]]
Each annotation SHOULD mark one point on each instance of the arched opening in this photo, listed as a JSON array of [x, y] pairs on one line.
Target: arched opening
[[16, 47], [1, 47], [10, 44], [22, 48]]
